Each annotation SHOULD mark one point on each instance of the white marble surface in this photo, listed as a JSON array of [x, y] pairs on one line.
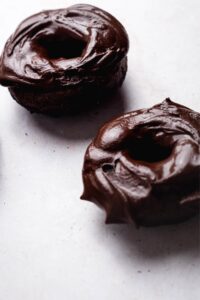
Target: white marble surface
[[53, 246]]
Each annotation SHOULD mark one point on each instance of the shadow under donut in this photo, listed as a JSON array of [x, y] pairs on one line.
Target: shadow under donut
[[156, 242]]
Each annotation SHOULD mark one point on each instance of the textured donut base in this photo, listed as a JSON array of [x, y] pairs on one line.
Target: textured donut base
[[72, 98]]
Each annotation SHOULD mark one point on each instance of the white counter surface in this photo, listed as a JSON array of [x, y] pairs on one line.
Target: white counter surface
[[54, 246]]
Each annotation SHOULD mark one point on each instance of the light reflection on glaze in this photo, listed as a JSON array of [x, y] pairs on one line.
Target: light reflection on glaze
[[106, 45]]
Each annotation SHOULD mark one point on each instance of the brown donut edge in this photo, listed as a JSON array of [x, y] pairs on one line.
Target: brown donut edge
[[68, 99]]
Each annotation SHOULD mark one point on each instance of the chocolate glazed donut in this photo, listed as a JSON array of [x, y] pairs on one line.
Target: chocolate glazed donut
[[63, 60], [145, 166]]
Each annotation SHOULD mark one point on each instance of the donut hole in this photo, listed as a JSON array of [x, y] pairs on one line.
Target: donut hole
[[59, 45], [147, 149], [107, 168]]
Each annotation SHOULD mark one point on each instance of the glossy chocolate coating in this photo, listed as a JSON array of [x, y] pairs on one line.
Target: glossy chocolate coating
[[145, 166], [58, 56]]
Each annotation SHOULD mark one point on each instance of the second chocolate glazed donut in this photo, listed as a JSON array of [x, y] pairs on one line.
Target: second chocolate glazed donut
[[62, 60], [145, 166]]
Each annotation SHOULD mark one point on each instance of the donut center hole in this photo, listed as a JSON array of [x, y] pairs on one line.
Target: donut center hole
[[148, 149], [59, 45], [107, 168]]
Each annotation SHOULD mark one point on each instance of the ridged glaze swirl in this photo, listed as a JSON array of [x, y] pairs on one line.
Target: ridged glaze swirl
[[24, 61]]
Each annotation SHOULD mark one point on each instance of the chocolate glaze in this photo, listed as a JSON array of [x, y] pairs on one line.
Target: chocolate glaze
[[145, 166], [73, 51]]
